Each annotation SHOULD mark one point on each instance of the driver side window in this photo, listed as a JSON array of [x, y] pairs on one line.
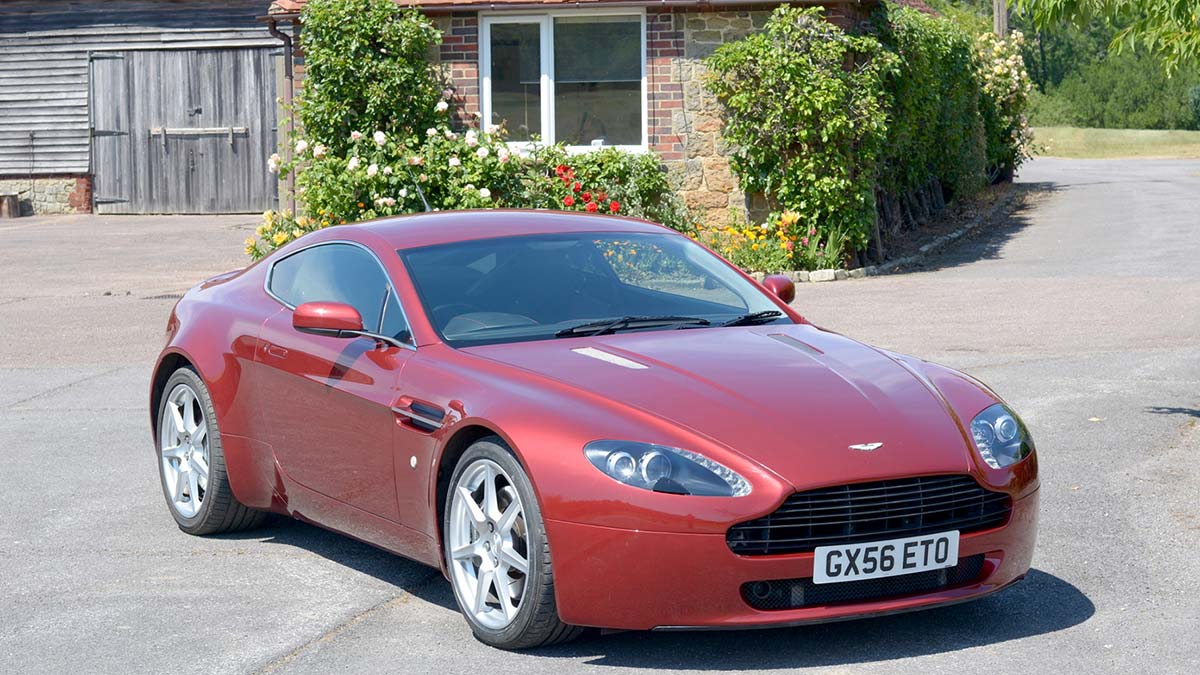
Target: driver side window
[[341, 273]]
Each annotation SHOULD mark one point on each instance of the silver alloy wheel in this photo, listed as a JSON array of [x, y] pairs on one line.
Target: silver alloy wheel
[[489, 553], [183, 443]]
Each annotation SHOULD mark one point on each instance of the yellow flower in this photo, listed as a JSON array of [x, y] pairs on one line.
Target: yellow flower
[[296, 234], [261, 230], [280, 238], [754, 247]]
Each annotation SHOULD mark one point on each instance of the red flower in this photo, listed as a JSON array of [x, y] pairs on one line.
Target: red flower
[[568, 201], [587, 196], [592, 207], [614, 206], [601, 196], [576, 187], [561, 169]]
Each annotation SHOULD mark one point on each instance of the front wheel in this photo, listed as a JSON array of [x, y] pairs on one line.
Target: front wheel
[[191, 461], [497, 553]]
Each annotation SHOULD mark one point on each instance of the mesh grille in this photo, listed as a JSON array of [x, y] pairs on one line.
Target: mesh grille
[[797, 593], [888, 509]]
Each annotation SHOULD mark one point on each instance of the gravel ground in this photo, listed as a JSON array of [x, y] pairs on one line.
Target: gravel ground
[[1083, 310]]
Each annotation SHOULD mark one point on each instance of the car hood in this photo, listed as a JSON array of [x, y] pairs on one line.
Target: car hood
[[793, 398]]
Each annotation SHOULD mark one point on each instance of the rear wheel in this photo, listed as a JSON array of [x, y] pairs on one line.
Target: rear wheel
[[191, 461], [497, 553]]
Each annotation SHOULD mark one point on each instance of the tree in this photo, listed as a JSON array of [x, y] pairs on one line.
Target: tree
[[1169, 29]]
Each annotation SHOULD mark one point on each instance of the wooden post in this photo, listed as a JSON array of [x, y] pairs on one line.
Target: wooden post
[[1000, 17]]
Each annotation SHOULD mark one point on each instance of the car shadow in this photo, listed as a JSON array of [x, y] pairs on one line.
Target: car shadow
[[1040, 604], [988, 241], [419, 580]]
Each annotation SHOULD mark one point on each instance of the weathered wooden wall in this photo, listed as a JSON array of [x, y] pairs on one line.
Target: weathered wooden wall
[[44, 46]]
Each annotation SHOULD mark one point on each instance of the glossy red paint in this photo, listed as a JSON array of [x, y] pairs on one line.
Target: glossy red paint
[[314, 427], [780, 286], [326, 318]]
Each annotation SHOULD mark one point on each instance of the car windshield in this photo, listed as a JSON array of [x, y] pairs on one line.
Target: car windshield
[[538, 287]]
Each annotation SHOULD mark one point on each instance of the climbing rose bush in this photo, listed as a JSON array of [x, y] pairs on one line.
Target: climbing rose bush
[[1006, 86]]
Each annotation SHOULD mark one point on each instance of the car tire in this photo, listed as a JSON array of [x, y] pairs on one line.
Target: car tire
[[206, 505], [534, 622]]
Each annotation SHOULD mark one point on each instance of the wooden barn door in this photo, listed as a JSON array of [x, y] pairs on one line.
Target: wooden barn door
[[183, 131]]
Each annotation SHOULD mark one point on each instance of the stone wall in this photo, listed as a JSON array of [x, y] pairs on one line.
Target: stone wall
[[50, 194]]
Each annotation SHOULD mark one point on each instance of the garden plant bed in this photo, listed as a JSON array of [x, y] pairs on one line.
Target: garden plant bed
[[953, 223]]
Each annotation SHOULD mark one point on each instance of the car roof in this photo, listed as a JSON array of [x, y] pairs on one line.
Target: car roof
[[443, 227]]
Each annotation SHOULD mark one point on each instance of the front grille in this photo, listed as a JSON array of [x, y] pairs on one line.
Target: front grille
[[796, 593], [886, 509]]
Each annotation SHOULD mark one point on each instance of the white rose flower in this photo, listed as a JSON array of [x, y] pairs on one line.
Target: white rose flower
[[454, 161], [352, 164], [503, 156], [372, 170], [403, 192], [387, 170], [319, 150], [301, 146], [355, 135], [416, 160], [273, 163], [380, 138], [485, 193], [481, 153], [492, 128], [442, 106], [431, 132], [450, 135]]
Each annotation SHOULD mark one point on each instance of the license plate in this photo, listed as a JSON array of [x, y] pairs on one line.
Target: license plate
[[888, 558]]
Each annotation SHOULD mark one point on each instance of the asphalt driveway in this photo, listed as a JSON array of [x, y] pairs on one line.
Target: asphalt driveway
[[1083, 311]]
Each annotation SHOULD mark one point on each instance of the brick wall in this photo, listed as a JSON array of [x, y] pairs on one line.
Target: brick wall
[[50, 194], [459, 58]]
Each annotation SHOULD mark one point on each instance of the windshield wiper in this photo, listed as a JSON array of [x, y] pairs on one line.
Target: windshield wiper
[[608, 326], [765, 316]]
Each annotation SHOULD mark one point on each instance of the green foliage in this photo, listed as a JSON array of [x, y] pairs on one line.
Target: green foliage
[[366, 68], [805, 111], [935, 128], [1167, 29], [1121, 91]]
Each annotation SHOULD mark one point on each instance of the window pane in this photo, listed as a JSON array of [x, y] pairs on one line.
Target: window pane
[[516, 78], [598, 80], [333, 273]]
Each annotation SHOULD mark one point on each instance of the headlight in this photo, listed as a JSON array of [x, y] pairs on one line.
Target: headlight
[[1000, 437], [663, 469]]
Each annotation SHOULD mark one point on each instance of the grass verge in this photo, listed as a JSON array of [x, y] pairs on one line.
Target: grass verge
[[1078, 143]]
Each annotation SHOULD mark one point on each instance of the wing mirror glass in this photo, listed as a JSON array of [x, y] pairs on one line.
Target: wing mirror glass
[[781, 287], [332, 319]]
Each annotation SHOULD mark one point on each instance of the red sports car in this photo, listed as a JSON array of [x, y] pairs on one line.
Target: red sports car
[[586, 421]]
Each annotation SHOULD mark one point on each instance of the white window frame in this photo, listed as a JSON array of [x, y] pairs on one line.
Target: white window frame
[[545, 21]]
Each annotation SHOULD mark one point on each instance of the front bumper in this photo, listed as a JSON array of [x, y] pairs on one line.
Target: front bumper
[[640, 580]]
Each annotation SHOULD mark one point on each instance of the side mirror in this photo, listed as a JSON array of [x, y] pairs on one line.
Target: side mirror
[[781, 287], [332, 319]]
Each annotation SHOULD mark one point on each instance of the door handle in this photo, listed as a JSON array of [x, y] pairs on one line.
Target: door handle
[[276, 351], [424, 416]]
